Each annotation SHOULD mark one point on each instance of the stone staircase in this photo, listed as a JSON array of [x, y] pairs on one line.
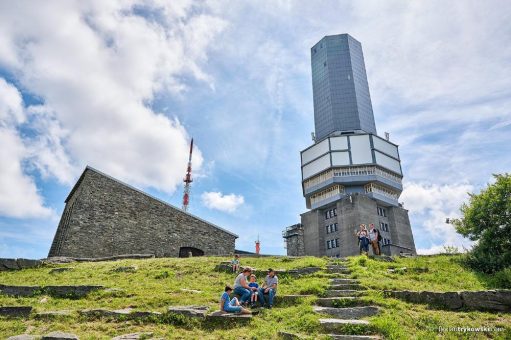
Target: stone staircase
[[341, 301]]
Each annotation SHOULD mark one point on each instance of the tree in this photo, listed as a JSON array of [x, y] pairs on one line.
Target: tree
[[487, 220]]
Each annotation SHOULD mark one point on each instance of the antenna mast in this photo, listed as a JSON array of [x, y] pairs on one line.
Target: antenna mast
[[188, 180]]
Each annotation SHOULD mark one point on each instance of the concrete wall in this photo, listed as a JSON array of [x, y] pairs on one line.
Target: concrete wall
[[351, 212], [104, 217]]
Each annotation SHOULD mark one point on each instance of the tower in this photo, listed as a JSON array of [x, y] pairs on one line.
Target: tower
[[188, 180], [350, 175]]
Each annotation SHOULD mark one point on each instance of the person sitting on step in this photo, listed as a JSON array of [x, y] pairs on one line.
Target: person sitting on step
[[269, 287], [231, 306], [235, 263]]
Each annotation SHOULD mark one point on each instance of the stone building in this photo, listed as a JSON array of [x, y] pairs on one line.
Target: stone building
[[350, 175], [105, 217]]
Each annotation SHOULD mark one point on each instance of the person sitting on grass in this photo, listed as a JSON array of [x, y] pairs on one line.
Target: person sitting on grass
[[255, 293], [241, 287], [269, 287], [231, 306], [235, 263]]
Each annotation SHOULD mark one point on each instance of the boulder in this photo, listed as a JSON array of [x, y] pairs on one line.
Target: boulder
[[15, 311], [60, 336], [190, 311]]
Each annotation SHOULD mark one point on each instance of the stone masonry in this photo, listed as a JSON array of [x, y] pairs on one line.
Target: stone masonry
[[105, 217]]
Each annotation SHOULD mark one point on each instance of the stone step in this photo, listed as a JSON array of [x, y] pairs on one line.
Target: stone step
[[340, 301], [53, 314], [340, 326], [56, 291], [59, 336], [342, 292], [348, 286], [15, 311], [349, 313], [229, 317], [134, 336], [189, 311], [338, 271], [344, 281], [354, 337]]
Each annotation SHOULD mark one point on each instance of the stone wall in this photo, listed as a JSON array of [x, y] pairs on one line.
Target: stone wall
[[104, 217], [15, 264], [489, 300]]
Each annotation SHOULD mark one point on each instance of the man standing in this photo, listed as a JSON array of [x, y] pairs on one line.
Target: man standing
[[269, 287], [374, 238], [241, 285]]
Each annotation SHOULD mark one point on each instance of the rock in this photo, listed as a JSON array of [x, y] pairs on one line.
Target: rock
[[342, 293], [126, 313], [60, 336], [289, 336], [348, 312], [347, 286], [15, 311], [53, 314], [60, 270], [19, 290], [22, 337], [58, 260], [191, 311], [26, 263], [133, 336], [338, 325], [234, 317], [70, 291], [344, 281], [354, 337], [44, 300], [191, 291], [8, 264], [127, 269], [491, 300]]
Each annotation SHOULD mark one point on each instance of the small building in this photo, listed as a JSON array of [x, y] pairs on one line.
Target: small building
[[105, 217]]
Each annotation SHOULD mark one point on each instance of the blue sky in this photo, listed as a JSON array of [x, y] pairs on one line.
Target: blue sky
[[123, 86]]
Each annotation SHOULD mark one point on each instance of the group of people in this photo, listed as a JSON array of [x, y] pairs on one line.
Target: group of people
[[369, 237], [248, 290]]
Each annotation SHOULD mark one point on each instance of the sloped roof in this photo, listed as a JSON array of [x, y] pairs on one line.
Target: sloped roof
[[89, 168]]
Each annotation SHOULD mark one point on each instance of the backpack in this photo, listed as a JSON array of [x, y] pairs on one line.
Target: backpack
[[379, 235]]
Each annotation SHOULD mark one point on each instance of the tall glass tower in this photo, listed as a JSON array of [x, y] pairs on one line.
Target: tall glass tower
[[350, 175], [340, 89]]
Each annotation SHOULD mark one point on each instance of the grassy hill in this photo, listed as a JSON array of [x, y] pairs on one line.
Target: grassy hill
[[156, 284]]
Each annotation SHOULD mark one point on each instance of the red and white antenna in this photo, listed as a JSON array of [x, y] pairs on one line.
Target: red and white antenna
[[188, 180]]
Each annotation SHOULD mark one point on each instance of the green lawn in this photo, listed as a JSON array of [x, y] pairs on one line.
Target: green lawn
[[157, 284]]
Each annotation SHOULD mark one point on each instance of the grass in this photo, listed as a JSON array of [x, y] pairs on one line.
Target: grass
[[402, 320], [157, 284]]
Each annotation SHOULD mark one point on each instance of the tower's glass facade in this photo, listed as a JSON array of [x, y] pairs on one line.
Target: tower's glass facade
[[340, 89]]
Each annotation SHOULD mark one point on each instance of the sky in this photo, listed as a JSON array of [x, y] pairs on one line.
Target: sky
[[123, 86]]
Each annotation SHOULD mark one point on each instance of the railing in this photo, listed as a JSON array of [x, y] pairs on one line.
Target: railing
[[378, 189], [350, 171], [323, 195]]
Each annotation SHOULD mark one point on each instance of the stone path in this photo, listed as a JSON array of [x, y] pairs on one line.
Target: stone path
[[342, 302]]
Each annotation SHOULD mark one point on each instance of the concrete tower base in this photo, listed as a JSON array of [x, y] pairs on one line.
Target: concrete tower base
[[330, 231]]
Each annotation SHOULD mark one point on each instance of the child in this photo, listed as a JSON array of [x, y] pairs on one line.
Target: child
[[253, 284], [231, 306], [235, 263]]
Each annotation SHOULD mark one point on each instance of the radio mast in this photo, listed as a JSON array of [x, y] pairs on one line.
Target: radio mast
[[188, 180]]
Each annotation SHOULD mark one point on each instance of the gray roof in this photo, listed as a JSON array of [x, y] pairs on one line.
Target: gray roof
[[89, 168]]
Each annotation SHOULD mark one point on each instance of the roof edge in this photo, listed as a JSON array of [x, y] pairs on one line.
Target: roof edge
[[88, 167]]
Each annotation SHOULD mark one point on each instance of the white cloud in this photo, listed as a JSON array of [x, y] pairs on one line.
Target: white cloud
[[429, 205], [18, 193], [217, 200], [97, 75]]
